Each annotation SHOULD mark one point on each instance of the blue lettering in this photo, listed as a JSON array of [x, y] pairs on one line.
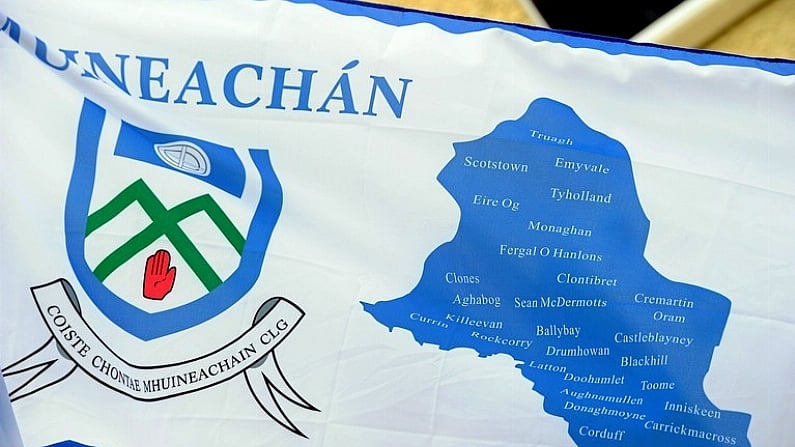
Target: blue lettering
[[72, 56], [380, 83], [41, 54], [279, 87], [153, 87], [98, 62], [229, 85], [202, 86], [147, 77], [344, 86], [13, 29]]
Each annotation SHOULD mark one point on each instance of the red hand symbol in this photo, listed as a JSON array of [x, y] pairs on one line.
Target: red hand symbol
[[159, 275]]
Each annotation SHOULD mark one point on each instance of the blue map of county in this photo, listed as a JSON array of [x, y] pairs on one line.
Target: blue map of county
[[547, 266]]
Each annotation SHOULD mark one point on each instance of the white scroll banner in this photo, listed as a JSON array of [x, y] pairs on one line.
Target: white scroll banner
[[75, 345]]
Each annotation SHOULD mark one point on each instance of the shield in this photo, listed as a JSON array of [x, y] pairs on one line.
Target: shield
[[165, 231]]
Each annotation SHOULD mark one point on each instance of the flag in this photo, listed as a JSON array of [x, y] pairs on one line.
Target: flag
[[326, 223], [9, 433]]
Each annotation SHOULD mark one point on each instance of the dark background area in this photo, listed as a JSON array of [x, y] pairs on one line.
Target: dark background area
[[621, 19]]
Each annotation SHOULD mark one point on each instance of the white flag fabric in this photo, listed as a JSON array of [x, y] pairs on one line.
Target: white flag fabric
[[323, 223], [9, 433]]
